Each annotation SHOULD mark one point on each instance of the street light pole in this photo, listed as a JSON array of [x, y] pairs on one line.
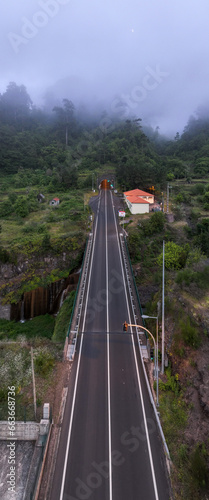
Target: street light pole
[[155, 317], [156, 352], [163, 302]]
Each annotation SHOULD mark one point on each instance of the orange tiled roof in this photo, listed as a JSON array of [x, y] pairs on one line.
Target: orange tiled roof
[[137, 199], [137, 192]]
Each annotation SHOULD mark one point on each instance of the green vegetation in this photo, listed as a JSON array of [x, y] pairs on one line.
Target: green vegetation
[[44, 363], [175, 256], [46, 155], [41, 326], [63, 319]]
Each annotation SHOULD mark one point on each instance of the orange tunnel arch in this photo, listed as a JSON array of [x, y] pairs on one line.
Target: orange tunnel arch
[[105, 184]]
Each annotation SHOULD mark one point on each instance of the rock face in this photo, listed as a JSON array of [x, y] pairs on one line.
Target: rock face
[[203, 371], [5, 312], [43, 300]]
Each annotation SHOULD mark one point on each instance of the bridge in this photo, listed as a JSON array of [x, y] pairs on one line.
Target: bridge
[[110, 446]]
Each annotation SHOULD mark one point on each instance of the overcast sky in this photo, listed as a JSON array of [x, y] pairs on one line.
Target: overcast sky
[[148, 58]]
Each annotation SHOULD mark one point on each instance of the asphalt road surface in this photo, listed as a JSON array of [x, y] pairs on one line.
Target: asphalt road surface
[[110, 448]]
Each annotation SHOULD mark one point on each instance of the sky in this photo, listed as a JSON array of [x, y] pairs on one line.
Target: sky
[[134, 58]]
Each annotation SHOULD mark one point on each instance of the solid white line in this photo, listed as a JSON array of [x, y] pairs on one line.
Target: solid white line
[[78, 367], [137, 369], [108, 361], [106, 261]]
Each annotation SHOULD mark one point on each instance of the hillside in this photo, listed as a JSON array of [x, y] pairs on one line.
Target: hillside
[[56, 155]]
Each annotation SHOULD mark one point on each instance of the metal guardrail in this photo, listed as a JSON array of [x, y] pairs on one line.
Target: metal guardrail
[[77, 289], [134, 282]]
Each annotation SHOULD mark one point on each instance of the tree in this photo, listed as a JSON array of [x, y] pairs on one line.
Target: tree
[[155, 224], [175, 256], [21, 206], [15, 103], [5, 209], [65, 116]]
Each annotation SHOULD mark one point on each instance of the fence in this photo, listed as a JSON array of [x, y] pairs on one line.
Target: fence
[[24, 413], [35, 472]]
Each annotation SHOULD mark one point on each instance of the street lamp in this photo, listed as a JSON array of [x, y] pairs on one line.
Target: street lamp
[[125, 327], [144, 316]]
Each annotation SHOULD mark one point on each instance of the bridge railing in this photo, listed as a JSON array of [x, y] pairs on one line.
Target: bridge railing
[[134, 283], [77, 289]]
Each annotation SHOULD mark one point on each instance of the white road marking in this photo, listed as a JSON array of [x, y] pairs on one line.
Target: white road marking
[[108, 361], [137, 369], [78, 366]]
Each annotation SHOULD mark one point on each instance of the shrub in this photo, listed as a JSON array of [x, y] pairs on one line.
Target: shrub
[[179, 198], [183, 453], [44, 363], [197, 189], [175, 256], [3, 394], [21, 206], [5, 209], [155, 224], [185, 276], [4, 255], [134, 245], [188, 276], [46, 243], [189, 333], [63, 319], [198, 464]]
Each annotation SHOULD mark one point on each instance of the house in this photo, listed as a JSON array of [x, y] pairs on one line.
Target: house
[[54, 202], [138, 201], [40, 197]]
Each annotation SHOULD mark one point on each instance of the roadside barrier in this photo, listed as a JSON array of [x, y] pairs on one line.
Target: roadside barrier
[[125, 253]]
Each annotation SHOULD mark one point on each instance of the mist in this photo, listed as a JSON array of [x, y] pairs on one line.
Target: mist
[[131, 58]]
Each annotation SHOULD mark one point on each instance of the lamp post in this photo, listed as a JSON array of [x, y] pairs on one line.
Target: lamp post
[[156, 356], [155, 317]]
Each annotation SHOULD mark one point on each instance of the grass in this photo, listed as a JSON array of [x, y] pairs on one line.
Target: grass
[[41, 326], [190, 471], [63, 319], [17, 232]]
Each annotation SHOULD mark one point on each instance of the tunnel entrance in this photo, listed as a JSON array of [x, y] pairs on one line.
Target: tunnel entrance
[[106, 184]]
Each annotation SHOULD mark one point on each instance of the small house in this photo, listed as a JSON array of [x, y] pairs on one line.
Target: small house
[[138, 201], [40, 197], [54, 202]]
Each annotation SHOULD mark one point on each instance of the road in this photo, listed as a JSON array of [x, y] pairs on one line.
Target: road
[[110, 447]]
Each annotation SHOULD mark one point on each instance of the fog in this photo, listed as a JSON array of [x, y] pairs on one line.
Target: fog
[[134, 58]]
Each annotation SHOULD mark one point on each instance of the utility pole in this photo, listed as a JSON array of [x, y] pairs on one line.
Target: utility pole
[[163, 299], [34, 385], [162, 202], [167, 198]]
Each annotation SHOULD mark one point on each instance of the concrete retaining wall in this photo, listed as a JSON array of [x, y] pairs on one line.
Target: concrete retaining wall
[[28, 431]]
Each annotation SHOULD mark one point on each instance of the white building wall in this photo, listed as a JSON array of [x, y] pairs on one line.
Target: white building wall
[[139, 208]]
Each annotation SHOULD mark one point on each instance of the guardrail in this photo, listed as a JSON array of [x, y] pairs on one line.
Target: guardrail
[[128, 269], [134, 281], [78, 302], [166, 450], [77, 289]]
